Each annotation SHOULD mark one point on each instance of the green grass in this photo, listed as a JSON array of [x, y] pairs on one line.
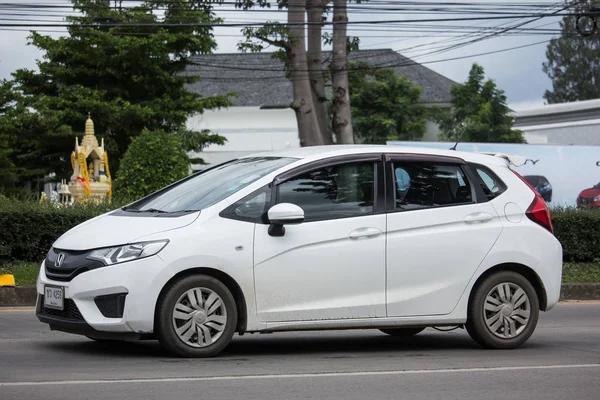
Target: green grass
[[581, 272], [26, 273]]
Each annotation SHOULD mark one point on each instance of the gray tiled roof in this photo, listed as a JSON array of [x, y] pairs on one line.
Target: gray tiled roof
[[259, 80]]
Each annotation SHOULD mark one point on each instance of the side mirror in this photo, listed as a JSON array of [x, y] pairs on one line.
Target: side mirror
[[284, 214]]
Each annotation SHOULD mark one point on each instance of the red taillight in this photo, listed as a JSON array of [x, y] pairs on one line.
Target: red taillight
[[538, 211]]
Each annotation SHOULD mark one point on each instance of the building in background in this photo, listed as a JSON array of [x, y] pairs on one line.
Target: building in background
[[576, 123], [260, 118]]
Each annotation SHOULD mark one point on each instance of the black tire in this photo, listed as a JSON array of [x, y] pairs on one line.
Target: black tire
[[476, 324], [165, 331], [403, 332]]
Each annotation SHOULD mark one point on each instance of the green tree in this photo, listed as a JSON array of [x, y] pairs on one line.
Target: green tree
[[125, 66], [385, 106], [154, 160], [573, 61], [7, 167], [479, 112]]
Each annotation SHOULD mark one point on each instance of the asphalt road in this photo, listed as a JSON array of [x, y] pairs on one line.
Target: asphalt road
[[561, 361]]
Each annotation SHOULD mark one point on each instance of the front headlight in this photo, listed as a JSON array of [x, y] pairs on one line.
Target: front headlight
[[115, 255], [597, 198]]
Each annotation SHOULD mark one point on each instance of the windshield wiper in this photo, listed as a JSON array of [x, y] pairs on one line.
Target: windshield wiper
[[150, 210]]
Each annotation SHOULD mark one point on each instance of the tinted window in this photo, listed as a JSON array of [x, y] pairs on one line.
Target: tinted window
[[492, 185], [334, 192], [423, 185], [212, 186], [252, 208]]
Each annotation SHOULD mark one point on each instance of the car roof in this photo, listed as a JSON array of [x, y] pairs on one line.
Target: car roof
[[313, 153]]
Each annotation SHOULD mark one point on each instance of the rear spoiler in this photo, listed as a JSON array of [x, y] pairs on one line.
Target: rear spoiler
[[517, 161]]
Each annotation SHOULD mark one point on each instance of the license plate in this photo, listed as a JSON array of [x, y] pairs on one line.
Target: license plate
[[54, 297]]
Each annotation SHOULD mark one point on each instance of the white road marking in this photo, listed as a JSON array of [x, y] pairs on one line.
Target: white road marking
[[296, 376]]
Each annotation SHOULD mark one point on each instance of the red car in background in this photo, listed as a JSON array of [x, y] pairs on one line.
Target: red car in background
[[589, 198]]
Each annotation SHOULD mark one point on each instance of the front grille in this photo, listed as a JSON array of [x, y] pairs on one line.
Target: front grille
[[74, 263], [112, 305], [70, 311], [584, 201]]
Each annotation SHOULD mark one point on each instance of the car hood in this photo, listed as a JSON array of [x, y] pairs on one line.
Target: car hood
[[590, 193], [116, 229]]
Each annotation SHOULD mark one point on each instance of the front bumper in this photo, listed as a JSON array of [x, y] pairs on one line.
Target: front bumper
[[78, 326], [118, 299]]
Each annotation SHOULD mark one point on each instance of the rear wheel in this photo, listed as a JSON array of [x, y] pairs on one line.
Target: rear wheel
[[405, 332], [196, 317], [503, 311]]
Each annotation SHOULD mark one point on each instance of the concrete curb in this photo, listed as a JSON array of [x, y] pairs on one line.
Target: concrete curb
[[26, 295], [17, 296], [580, 291]]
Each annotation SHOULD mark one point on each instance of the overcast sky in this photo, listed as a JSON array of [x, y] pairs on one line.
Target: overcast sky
[[518, 72]]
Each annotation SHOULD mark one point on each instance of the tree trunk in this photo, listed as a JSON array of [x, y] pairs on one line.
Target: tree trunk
[[342, 118], [308, 126], [314, 10]]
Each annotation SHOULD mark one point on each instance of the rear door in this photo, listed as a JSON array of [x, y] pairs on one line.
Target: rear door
[[437, 234]]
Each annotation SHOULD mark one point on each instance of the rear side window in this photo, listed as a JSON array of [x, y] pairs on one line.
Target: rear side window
[[425, 185], [491, 185]]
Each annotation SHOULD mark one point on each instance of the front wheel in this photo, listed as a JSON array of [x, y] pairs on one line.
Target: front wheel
[[404, 332], [503, 311], [196, 317]]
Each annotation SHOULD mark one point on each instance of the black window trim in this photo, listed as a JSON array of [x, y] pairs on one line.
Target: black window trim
[[379, 179], [424, 158]]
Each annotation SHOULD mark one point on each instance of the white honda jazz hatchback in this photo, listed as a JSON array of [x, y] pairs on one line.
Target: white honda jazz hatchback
[[390, 238]]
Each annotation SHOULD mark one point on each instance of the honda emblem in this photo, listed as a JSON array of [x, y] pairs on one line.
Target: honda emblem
[[59, 260]]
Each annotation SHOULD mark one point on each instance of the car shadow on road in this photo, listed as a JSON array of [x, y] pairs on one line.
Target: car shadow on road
[[285, 344], [369, 343]]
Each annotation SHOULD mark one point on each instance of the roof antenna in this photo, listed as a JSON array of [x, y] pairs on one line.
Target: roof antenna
[[456, 144]]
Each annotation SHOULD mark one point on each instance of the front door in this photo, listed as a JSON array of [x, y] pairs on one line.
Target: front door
[[332, 266]]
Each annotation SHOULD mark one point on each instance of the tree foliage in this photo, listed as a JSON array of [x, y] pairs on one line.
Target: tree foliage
[[283, 37], [154, 160], [385, 106], [129, 78], [573, 61], [479, 112]]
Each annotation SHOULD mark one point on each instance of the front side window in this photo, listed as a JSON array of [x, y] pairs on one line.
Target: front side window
[[425, 185], [212, 186], [252, 208], [338, 191]]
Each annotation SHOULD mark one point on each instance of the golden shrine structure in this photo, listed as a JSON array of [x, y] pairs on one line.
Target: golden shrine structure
[[91, 177]]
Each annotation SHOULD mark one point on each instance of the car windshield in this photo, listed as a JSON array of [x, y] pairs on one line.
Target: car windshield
[[597, 186], [207, 188]]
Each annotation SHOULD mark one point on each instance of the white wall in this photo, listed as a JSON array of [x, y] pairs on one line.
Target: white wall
[[248, 130]]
